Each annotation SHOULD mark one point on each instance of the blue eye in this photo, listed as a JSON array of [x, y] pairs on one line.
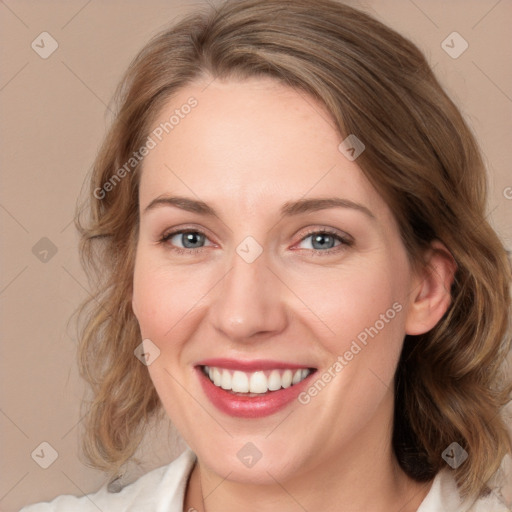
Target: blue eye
[[189, 239], [322, 240], [325, 242]]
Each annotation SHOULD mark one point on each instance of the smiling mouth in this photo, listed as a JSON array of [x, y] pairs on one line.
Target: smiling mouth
[[255, 383]]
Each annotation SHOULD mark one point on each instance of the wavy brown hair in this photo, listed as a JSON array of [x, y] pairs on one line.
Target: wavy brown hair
[[421, 157]]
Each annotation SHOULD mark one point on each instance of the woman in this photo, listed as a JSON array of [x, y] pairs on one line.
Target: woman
[[288, 228]]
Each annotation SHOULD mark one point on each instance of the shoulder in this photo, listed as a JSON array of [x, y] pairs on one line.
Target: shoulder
[[444, 495], [160, 489]]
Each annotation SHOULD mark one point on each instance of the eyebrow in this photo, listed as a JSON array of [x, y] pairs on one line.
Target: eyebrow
[[290, 208]]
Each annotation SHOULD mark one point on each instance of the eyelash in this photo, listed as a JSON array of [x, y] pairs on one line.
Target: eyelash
[[344, 241]]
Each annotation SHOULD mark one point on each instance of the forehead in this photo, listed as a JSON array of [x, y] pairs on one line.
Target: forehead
[[249, 143]]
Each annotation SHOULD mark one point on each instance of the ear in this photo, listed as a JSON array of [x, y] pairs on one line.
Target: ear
[[430, 296]]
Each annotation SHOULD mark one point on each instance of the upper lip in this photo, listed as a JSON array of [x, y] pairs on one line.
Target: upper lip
[[250, 366]]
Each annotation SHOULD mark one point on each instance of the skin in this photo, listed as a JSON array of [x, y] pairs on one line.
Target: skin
[[246, 149]]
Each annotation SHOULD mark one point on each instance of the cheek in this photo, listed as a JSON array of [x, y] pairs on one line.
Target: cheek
[[365, 309], [164, 300], [360, 304], [165, 305]]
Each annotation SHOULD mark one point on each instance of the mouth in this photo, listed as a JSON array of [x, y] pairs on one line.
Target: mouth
[[252, 389], [255, 383]]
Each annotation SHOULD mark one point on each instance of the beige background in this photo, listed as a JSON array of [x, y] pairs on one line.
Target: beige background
[[54, 116]]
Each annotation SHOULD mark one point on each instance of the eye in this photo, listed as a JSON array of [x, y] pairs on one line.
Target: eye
[[185, 240], [325, 241]]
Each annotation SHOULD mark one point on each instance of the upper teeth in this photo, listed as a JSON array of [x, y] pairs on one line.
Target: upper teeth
[[255, 382]]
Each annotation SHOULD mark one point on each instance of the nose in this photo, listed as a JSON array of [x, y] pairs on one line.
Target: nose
[[250, 301]]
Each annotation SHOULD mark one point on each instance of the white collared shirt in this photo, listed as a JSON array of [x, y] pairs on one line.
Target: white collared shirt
[[163, 490]]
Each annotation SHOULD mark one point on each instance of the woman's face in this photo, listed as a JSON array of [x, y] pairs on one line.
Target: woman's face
[[270, 283]]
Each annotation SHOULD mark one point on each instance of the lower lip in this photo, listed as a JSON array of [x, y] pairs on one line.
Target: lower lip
[[247, 406]]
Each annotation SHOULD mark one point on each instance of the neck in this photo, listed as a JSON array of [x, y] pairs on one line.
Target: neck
[[363, 476]]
